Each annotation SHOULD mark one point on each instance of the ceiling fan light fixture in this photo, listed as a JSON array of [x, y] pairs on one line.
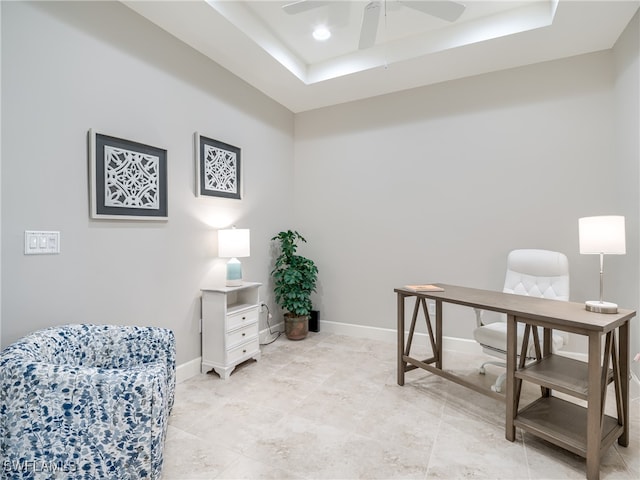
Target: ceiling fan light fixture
[[321, 33]]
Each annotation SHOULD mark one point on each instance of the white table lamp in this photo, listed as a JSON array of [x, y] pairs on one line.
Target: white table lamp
[[602, 235], [234, 243]]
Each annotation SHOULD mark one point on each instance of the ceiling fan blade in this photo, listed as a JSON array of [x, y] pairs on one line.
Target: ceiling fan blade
[[444, 9], [369, 29], [303, 6]]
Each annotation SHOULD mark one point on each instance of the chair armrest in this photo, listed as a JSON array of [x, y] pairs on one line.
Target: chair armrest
[[161, 345], [478, 313], [132, 346]]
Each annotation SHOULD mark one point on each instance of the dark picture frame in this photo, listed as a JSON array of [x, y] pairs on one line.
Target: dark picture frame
[[218, 167], [128, 180]]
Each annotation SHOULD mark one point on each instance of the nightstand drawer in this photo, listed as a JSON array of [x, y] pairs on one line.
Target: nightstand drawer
[[244, 350], [239, 319], [242, 335]]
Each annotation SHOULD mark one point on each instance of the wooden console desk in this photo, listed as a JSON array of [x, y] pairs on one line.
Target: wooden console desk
[[585, 431]]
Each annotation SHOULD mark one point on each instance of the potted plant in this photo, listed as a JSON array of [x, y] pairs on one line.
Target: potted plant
[[295, 278]]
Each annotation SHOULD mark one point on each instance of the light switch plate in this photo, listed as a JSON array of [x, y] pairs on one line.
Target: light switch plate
[[38, 242]]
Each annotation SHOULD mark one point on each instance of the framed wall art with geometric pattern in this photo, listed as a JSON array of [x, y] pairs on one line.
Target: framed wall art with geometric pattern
[[128, 180], [218, 167]]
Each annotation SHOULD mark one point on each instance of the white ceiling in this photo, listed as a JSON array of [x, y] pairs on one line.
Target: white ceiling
[[274, 51]]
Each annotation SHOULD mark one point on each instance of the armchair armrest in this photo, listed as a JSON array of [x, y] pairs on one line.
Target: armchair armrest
[[129, 346]]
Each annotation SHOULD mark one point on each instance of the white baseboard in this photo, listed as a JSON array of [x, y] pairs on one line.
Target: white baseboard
[[266, 336], [454, 344], [187, 370], [390, 335], [191, 368]]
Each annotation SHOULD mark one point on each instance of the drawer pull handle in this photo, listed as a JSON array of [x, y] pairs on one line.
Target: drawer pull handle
[[243, 334], [244, 351], [244, 318]]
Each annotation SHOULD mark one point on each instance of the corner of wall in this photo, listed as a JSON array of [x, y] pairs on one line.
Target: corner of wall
[[626, 53]]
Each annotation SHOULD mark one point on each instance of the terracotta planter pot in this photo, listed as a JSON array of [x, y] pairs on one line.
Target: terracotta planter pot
[[296, 328]]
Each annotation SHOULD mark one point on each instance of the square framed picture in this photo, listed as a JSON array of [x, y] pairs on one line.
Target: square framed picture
[[218, 167], [128, 180]]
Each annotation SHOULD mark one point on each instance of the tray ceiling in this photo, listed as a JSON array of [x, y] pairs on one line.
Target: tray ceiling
[[274, 51]]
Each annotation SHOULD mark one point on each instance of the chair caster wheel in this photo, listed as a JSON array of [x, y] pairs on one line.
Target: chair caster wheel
[[482, 371], [496, 388]]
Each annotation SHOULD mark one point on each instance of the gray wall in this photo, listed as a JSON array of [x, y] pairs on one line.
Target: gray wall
[[440, 183], [627, 160], [432, 184], [69, 67]]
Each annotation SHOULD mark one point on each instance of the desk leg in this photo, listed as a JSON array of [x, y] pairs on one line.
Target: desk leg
[[512, 346], [623, 351], [594, 407], [401, 363], [438, 353], [546, 351]]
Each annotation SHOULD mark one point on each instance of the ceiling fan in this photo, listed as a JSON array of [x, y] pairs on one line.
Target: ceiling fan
[[444, 9]]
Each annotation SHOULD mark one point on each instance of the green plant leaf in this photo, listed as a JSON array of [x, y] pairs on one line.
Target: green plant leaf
[[294, 276]]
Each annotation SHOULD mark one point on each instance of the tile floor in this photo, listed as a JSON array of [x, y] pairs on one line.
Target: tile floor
[[329, 407]]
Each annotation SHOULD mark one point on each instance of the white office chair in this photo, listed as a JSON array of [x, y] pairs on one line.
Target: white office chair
[[538, 273]]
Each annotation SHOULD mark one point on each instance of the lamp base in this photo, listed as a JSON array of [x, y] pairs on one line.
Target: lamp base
[[601, 307], [234, 273]]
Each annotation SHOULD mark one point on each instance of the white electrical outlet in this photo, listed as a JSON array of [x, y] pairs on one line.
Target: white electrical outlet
[[37, 242]]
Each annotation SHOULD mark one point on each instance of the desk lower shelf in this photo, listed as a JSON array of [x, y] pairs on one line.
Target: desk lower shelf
[[564, 424], [559, 373]]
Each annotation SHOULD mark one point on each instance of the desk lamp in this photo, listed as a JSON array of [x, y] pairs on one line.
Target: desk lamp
[[600, 235], [233, 243]]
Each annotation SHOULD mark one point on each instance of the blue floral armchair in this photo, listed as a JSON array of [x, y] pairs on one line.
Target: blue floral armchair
[[86, 402]]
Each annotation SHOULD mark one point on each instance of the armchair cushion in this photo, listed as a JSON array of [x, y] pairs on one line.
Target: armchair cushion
[[91, 401]]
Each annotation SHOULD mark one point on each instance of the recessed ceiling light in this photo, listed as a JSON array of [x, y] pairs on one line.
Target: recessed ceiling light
[[321, 33]]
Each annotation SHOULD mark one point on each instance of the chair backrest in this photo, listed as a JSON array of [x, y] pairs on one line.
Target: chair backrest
[[537, 273]]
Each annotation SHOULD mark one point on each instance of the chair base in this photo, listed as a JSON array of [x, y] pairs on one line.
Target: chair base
[[497, 386]]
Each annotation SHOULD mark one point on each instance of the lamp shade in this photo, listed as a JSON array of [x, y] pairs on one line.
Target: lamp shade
[[604, 234], [233, 242]]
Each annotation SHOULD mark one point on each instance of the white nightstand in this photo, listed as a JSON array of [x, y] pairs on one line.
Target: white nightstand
[[230, 328]]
